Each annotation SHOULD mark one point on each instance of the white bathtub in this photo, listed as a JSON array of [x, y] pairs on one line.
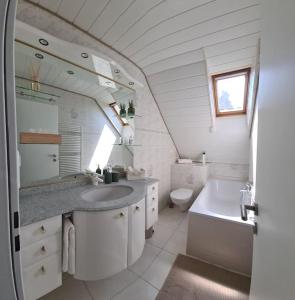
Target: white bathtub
[[216, 232]]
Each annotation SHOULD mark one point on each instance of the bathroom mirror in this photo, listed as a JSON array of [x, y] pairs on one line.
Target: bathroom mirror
[[67, 116]]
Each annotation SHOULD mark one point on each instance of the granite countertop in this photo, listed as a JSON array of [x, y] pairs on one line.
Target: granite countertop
[[41, 205]]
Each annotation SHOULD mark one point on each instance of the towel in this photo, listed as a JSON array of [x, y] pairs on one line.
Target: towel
[[68, 262], [184, 161]]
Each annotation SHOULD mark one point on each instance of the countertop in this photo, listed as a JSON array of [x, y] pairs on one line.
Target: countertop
[[45, 204]]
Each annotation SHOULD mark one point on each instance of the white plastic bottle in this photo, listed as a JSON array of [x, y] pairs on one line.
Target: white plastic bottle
[[204, 158]]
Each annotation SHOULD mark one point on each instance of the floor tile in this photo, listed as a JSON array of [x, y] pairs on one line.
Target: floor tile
[[149, 254], [171, 217], [139, 290], [177, 243], [158, 271], [107, 288], [184, 224], [71, 289], [161, 235]]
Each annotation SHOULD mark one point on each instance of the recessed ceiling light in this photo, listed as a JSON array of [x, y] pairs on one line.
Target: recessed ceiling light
[[43, 42], [70, 72], [39, 55], [117, 71], [84, 55], [131, 83]]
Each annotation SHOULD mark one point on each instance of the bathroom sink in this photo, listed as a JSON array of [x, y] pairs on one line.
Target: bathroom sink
[[107, 193]]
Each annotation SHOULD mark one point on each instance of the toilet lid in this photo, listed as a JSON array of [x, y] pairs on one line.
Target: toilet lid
[[182, 194]]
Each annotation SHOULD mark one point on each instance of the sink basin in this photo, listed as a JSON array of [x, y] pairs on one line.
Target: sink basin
[[107, 193]]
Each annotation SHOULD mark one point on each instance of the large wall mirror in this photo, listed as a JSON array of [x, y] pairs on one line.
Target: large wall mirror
[[68, 117]]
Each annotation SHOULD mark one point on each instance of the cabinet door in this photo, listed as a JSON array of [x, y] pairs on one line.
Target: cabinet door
[[136, 231], [101, 243]]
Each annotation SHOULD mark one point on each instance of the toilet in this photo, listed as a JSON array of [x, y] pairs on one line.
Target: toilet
[[182, 198]]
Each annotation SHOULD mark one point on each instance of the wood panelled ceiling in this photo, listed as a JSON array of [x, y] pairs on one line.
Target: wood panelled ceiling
[[177, 44], [152, 32]]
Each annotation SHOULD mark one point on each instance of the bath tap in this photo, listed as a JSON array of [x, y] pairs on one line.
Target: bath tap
[[249, 186]]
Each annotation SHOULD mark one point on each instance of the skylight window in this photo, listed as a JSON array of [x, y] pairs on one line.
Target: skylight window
[[231, 92], [116, 110]]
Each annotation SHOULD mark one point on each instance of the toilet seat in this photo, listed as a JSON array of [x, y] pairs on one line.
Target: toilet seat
[[182, 194]]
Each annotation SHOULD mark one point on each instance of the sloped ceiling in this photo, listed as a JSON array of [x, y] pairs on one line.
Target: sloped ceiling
[[177, 44]]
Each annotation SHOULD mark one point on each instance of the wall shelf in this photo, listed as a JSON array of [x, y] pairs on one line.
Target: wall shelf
[[129, 145], [39, 138]]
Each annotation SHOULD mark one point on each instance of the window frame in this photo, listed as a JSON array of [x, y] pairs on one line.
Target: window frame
[[112, 106], [216, 77]]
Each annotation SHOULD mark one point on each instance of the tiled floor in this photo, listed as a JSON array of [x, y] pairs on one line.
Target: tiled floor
[[142, 280]]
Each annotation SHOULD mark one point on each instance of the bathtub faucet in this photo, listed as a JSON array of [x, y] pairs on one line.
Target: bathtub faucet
[[249, 186]]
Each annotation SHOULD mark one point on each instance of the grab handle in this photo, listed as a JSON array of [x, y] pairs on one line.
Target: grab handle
[[244, 214], [245, 207]]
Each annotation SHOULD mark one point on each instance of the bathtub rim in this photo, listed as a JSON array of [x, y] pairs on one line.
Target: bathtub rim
[[197, 209]]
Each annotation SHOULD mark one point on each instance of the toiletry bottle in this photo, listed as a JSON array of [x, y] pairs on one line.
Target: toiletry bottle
[[204, 158], [108, 175], [98, 170]]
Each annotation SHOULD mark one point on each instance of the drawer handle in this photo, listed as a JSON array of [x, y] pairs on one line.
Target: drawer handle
[[154, 198], [43, 270], [137, 208], [153, 188], [153, 209], [43, 249], [122, 214], [43, 230]]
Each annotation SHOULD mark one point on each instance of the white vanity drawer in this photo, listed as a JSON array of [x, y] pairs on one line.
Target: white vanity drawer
[[40, 250], [151, 216], [152, 189], [42, 277], [152, 200], [40, 230]]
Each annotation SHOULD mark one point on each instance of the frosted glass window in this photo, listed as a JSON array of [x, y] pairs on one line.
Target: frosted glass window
[[231, 92]]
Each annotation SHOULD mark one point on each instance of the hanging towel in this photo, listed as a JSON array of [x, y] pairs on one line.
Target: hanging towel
[[184, 161], [68, 262]]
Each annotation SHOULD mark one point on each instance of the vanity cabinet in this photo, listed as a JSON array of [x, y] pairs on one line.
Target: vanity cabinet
[[136, 229], [151, 205], [101, 243], [41, 257]]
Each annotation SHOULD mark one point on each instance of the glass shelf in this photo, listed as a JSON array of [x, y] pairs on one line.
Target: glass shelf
[[37, 95], [129, 145]]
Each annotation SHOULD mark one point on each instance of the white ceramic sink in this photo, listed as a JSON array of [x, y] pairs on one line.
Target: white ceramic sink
[[107, 193]]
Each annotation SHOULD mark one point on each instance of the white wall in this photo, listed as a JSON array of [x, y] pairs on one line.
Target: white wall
[[274, 246], [183, 97], [157, 152]]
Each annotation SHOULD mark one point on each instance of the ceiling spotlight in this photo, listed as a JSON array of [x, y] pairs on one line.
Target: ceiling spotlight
[[43, 42], [117, 71], [131, 83], [39, 55], [70, 72], [84, 55]]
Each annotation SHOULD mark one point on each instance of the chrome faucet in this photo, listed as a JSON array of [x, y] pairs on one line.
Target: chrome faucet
[[249, 186]]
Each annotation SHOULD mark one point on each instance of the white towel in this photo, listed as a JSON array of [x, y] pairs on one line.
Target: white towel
[[184, 161], [68, 262]]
